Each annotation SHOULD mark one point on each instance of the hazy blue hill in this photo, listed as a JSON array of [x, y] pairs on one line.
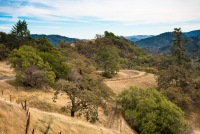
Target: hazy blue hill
[[195, 33], [54, 39], [156, 41], [161, 43], [135, 38]]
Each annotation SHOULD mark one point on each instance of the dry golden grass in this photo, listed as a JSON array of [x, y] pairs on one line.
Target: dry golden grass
[[5, 69], [42, 100], [13, 121]]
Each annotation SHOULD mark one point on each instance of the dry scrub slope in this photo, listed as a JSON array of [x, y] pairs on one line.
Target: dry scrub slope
[[13, 120], [46, 115]]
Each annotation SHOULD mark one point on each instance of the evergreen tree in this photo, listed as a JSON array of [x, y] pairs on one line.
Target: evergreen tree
[[20, 33], [178, 50], [175, 80]]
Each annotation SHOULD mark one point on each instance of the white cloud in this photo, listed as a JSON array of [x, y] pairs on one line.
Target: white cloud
[[128, 11], [51, 27], [125, 17]]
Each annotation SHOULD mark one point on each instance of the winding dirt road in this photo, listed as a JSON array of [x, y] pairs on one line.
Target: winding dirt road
[[6, 72], [126, 78]]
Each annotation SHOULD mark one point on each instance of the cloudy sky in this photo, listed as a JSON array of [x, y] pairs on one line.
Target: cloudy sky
[[85, 18]]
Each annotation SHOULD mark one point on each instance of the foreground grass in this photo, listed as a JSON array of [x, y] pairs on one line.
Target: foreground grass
[[13, 120]]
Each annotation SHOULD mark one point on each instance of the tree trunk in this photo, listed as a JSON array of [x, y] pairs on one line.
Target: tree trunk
[[73, 106], [72, 113]]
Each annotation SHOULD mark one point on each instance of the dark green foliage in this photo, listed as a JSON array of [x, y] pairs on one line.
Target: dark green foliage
[[3, 37], [51, 55], [3, 52], [178, 51], [20, 33], [11, 43], [54, 39], [108, 60], [24, 59], [176, 78], [20, 30], [126, 50], [18, 36], [43, 45], [149, 112]]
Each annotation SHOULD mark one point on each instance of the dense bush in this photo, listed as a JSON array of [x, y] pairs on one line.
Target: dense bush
[[3, 52], [149, 112], [26, 57]]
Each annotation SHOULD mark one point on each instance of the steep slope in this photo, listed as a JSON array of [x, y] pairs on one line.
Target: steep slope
[[14, 120], [194, 33], [46, 115], [54, 39], [161, 43]]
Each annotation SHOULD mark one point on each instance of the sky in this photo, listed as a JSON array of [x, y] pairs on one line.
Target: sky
[[85, 18]]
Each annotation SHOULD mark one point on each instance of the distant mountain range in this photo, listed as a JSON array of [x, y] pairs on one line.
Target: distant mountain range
[[135, 38], [161, 43], [54, 39], [150, 43]]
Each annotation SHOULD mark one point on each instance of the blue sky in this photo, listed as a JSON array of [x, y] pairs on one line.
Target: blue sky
[[85, 18]]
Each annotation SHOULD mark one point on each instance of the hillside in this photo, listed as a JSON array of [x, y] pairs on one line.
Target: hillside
[[54, 39], [14, 119], [135, 38], [161, 43], [46, 115]]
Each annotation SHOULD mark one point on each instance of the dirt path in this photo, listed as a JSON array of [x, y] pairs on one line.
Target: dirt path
[[126, 78], [6, 73], [116, 122]]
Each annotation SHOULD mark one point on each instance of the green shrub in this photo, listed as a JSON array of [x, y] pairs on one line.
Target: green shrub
[[31, 68], [149, 112]]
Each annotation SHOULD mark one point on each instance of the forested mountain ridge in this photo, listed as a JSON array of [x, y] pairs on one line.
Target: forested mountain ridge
[[54, 39], [135, 38], [161, 43]]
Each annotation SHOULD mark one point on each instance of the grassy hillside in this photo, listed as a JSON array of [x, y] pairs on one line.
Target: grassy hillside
[[13, 120], [45, 112]]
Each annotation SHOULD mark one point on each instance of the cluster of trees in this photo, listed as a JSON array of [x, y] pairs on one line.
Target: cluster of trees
[[109, 52], [40, 64], [179, 75], [147, 110]]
